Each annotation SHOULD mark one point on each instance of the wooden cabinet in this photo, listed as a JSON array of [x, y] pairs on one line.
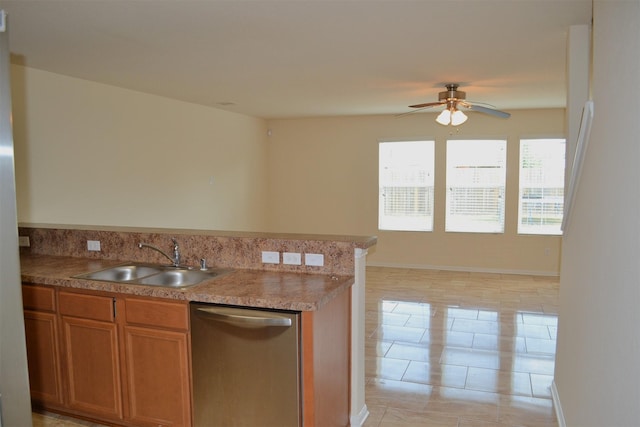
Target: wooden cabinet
[[156, 343], [91, 354], [120, 359], [42, 338], [325, 363]]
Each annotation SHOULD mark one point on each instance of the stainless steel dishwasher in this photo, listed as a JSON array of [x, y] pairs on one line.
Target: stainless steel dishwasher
[[246, 366]]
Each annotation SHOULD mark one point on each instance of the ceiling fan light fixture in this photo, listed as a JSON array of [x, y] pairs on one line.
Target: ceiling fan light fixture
[[458, 118], [444, 118], [451, 116]]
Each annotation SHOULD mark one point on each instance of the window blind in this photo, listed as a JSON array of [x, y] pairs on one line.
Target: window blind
[[541, 193], [405, 184], [476, 175]]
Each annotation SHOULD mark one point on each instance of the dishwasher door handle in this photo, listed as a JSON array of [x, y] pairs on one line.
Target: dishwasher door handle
[[242, 318]]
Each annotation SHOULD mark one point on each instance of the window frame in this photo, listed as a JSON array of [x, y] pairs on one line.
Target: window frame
[[453, 222], [416, 221], [545, 197]]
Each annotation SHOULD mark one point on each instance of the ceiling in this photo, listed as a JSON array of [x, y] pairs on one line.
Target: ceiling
[[303, 58]]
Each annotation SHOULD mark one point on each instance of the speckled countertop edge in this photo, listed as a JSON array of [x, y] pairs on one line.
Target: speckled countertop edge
[[249, 288]]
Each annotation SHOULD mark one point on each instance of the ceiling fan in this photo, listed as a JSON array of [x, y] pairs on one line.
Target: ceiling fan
[[452, 99]]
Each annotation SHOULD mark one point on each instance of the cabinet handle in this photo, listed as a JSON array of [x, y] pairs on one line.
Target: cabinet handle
[[242, 318]]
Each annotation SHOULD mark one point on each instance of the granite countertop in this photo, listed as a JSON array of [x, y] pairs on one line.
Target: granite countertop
[[250, 288]]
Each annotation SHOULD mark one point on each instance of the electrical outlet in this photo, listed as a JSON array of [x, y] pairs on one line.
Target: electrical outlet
[[292, 258], [24, 241], [316, 260], [93, 245], [270, 257]]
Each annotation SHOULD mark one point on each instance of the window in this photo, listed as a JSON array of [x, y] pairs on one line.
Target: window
[[541, 200], [476, 176], [406, 172]]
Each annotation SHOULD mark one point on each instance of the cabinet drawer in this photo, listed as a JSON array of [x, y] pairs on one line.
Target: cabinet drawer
[[38, 298], [162, 314], [86, 306]]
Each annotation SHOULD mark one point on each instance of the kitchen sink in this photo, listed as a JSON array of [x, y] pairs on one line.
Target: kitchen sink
[[122, 273], [153, 275], [177, 278]]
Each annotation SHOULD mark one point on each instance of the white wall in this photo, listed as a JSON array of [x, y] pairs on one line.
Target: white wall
[[88, 153], [578, 73], [597, 371], [323, 177]]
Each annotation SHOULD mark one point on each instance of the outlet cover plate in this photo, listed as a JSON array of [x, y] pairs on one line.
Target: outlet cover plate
[[270, 257], [316, 260], [292, 258]]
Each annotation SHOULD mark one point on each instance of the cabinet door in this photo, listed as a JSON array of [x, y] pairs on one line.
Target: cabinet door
[[91, 349], [157, 374], [43, 357]]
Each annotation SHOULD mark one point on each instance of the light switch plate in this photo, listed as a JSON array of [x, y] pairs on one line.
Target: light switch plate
[[24, 241], [93, 245]]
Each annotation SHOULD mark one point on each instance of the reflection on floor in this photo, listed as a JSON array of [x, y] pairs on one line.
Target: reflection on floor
[[459, 349]]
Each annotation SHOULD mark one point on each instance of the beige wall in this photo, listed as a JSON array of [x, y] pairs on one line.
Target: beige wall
[[598, 352], [88, 153], [323, 177]]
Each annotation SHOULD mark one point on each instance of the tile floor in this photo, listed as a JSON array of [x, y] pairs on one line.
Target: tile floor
[[49, 419], [452, 349], [459, 349]]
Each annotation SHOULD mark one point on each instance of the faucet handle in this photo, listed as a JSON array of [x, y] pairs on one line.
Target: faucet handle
[[203, 264]]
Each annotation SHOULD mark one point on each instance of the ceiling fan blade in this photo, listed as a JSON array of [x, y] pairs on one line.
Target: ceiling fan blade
[[491, 111], [428, 104], [406, 113]]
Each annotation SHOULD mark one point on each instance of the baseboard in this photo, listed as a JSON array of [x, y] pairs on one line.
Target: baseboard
[[358, 419], [556, 405], [464, 269]]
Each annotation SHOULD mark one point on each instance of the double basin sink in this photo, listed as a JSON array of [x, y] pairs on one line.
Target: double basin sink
[[153, 275]]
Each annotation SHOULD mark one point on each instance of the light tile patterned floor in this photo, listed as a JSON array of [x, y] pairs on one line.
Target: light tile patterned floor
[[459, 349]]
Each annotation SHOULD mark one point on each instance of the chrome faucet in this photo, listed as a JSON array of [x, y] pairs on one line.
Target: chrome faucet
[[176, 252], [175, 261]]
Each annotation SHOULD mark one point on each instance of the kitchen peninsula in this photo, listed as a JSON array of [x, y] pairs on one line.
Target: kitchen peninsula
[[329, 298]]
